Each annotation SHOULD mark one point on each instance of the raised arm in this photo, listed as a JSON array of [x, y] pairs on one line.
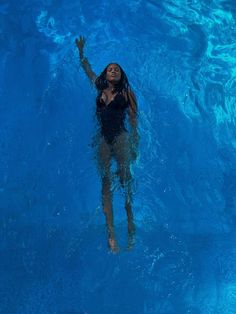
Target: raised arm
[[83, 60]]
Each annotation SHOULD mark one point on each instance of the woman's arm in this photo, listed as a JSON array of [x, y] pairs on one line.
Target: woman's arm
[[133, 123], [83, 60], [132, 109]]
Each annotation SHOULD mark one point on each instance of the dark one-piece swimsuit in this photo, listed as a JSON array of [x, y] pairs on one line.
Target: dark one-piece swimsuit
[[112, 117]]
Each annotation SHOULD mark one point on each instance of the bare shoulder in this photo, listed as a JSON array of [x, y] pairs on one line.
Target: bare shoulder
[[125, 94], [131, 93]]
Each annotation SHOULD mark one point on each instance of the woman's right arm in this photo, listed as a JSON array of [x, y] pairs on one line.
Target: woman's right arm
[[83, 60]]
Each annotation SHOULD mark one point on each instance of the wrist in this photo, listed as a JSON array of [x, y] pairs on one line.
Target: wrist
[[81, 53], [82, 59]]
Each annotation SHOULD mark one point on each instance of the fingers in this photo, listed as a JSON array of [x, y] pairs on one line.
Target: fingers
[[77, 42], [80, 42], [82, 39]]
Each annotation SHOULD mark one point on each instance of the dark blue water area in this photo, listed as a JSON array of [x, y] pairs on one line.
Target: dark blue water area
[[179, 57]]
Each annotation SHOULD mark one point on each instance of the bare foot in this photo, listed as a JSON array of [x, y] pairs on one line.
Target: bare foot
[[131, 241], [131, 227], [131, 235], [113, 245]]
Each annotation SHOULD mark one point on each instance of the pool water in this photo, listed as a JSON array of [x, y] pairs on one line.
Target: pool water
[[180, 58]]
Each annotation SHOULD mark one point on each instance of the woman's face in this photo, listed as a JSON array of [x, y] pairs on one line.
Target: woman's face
[[113, 73]]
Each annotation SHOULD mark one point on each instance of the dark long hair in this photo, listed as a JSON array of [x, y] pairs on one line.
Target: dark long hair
[[101, 82]]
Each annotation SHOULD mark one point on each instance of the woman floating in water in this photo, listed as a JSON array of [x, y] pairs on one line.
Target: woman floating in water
[[115, 99]]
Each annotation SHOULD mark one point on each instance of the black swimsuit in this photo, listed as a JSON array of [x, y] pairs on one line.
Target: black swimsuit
[[112, 117]]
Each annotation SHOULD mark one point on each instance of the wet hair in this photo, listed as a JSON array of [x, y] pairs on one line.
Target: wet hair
[[101, 82]]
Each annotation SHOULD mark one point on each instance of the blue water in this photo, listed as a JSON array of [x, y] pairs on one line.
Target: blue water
[[180, 58]]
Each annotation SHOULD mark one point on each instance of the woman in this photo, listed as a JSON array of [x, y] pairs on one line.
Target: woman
[[115, 99]]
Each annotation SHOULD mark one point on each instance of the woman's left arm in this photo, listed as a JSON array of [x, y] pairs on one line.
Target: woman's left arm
[[133, 123]]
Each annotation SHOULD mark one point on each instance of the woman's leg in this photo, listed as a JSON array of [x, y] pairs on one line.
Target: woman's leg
[[121, 149], [105, 156]]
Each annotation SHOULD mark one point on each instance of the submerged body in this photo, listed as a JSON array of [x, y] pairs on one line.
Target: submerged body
[[112, 116], [115, 101]]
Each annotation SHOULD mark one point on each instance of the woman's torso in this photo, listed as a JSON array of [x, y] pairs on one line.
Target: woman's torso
[[111, 115]]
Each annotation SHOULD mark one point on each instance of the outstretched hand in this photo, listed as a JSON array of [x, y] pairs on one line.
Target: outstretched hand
[[80, 43]]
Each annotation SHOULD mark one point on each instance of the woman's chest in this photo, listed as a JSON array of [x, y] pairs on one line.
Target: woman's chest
[[116, 103]]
